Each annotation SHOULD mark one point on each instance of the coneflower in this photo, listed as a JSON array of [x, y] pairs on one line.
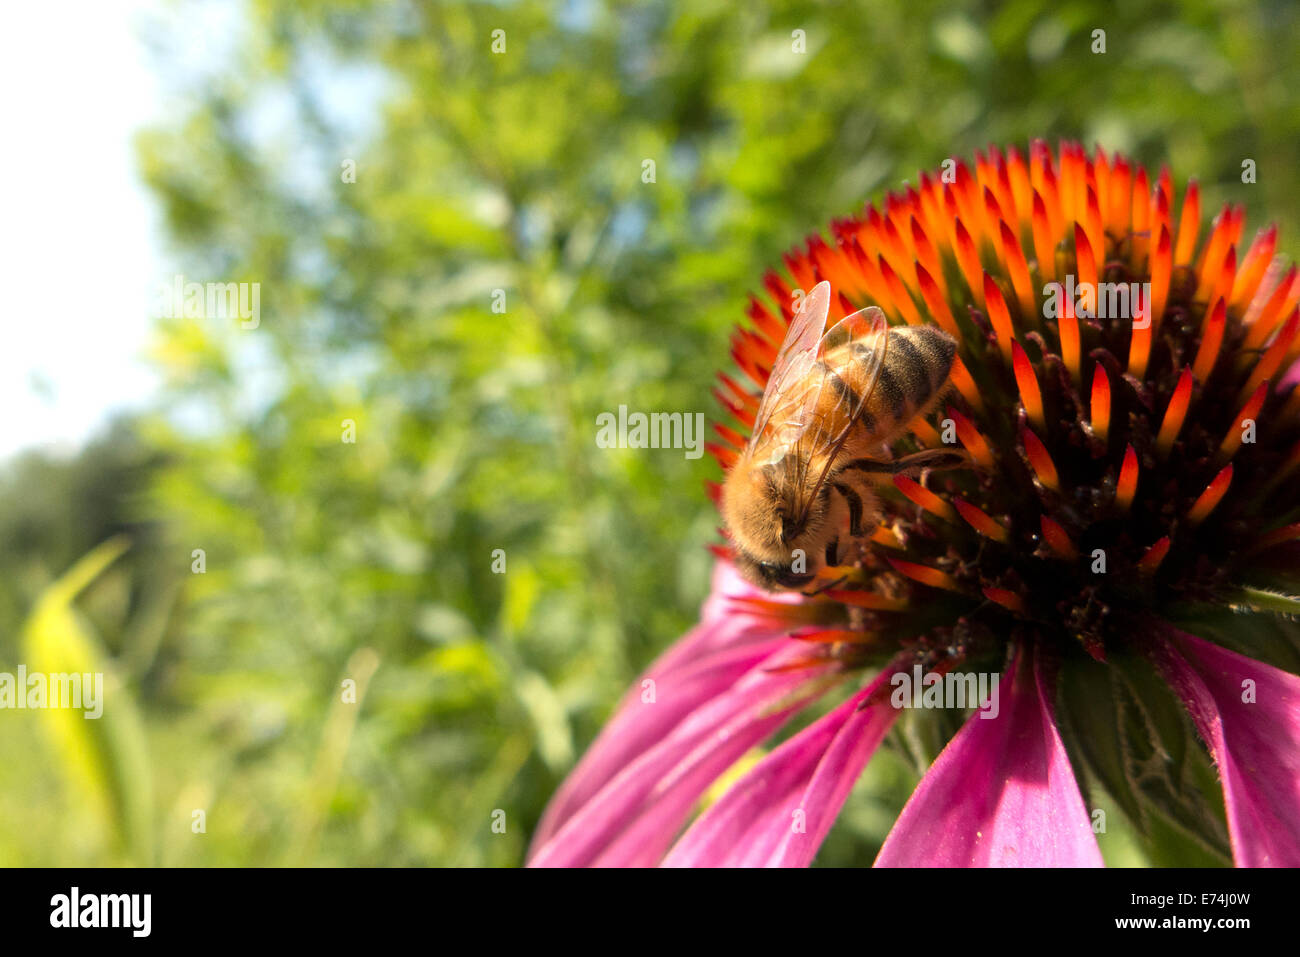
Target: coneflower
[[1124, 551]]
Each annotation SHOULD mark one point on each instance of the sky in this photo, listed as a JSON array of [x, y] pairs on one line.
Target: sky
[[80, 246]]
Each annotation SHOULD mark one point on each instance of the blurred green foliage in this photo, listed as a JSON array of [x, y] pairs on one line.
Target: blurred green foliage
[[520, 171]]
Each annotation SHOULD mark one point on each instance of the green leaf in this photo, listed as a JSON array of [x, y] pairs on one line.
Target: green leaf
[[1263, 599], [1164, 763], [104, 760], [1266, 637], [1134, 739], [1090, 722]]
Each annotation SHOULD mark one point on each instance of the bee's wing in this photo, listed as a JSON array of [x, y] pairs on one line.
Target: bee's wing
[[865, 337], [777, 418], [790, 421]]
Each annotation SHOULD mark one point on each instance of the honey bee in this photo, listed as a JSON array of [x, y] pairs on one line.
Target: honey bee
[[799, 498]]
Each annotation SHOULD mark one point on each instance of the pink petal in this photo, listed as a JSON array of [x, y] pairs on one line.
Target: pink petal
[[710, 659], [1256, 746], [1002, 792], [813, 772], [726, 620], [639, 724], [634, 817]]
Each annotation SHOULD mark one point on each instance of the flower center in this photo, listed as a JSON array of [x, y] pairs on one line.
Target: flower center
[[1117, 390]]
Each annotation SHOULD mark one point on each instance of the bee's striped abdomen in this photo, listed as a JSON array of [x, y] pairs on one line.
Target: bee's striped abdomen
[[916, 368], [914, 372]]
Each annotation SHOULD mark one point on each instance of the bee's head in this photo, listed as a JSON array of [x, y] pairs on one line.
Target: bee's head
[[774, 575], [775, 534]]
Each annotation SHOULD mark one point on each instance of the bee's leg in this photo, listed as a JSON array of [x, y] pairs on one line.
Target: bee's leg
[[854, 501], [833, 552], [937, 459], [869, 467]]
